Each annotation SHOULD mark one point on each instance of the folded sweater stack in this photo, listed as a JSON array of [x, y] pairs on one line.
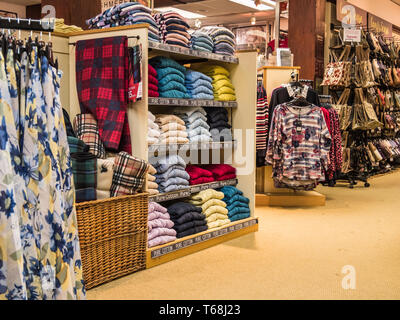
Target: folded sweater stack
[[153, 135], [223, 39], [220, 129], [201, 41], [199, 175], [222, 85], [160, 226], [171, 174], [171, 78], [212, 207], [187, 218], [195, 119], [237, 204], [198, 85], [152, 186], [125, 14], [153, 82], [173, 28], [221, 172], [172, 128]]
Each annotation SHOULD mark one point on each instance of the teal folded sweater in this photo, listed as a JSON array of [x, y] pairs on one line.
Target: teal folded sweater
[[230, 191], [237, 204], [172, 85], [163, 62], [174, 94], [237, 198], [171, 77], [162, 72], [239, 210], [239, 216]]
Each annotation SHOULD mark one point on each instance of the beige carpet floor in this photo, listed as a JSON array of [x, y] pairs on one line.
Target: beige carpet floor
[[297, 254]]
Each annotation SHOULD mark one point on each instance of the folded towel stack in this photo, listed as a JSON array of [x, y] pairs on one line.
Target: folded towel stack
[[195, 119], [171, 174], [237, 204], [187, 218], [125, 14], [212, 207], [199, 175], [105, 171], [129, 175], [173, 28], [223, 39], [171, 78], [220, 129], [172, 128], [160, 226], [154, 133], [153, 82], [221, 172], [198, 85], [222, 85], [201, 41], [152, 186]]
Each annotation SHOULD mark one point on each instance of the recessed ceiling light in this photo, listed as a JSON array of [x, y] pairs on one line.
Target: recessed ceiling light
[[183, 13], [265, 5]]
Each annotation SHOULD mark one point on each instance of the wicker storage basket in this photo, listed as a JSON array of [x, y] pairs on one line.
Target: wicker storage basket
[[113, 237]]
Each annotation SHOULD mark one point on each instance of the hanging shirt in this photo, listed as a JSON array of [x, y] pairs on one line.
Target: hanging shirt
[[298, 151]]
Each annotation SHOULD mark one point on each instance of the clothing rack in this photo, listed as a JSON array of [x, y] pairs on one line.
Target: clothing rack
[[26, 24], [130, 37]]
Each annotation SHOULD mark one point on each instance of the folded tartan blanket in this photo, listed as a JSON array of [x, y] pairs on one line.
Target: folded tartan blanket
[[129, 175], [85, 126], [102, 76], [84, 169], [84, 195], [77, 145]]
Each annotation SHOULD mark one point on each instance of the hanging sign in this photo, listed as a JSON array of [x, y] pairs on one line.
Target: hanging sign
[[107, 4], [380, 25], [351, 35], [350, 15]]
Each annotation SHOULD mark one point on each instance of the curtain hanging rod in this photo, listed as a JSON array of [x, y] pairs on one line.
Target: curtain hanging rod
[[26, 24], [131, 37]]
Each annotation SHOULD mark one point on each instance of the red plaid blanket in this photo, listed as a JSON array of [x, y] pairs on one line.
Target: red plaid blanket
[[102, 76]]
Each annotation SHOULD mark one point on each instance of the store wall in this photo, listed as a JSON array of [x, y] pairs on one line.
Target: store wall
[[75, 12], [384, 9], [19, 9]]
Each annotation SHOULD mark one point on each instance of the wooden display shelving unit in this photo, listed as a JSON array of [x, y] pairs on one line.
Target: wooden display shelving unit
[[242, 112], [266, 193]]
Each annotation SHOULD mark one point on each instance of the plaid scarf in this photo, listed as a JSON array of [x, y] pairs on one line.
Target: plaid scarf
[[129, 175], [102, 83], [84, 168], [86, 129]]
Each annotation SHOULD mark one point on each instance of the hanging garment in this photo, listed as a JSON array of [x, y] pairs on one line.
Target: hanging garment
[[102, 84], [39, 247], [298, 146], [262, 125]]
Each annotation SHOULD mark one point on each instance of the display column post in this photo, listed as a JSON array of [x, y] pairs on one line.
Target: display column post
[[244, 79]]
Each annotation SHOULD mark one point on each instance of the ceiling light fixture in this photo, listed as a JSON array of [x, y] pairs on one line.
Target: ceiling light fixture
[[183, 13], [253, 20], [264, 6]]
